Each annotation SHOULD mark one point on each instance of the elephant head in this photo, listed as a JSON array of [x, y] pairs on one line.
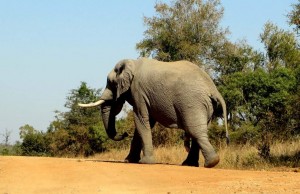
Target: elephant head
[[114, 96]]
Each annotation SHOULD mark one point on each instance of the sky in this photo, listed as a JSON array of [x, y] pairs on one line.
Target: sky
[[48, 47]]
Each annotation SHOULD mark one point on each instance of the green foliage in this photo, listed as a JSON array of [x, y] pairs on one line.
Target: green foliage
[[75, 132], [26, 130], [238, 57], [35, 144], [216, 133], [245, 134], [294, 113], [294, 16], [4, 151], [97, 137], [165, 137], [185, 30], [260, 98], [265, 99], [11, 150], [281, 46], [78, 131], [59, 142]]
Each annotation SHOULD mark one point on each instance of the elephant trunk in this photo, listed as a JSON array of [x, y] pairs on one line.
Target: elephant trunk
[[109, 111], [109, 121]]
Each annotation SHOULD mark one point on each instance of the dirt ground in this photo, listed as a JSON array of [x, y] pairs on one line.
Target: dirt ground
[[60, 175]]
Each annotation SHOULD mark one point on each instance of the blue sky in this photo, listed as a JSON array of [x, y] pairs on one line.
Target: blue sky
[[48, 47]]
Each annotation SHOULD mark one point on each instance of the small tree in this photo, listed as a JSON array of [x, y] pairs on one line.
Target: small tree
[[34, 142], [6, 136], [78, 131]]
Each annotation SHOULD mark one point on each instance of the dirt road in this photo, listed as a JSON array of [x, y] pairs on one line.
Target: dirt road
[[53, 175]]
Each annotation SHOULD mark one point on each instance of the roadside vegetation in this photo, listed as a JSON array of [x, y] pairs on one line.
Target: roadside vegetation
[[261, 89], [285, 156]]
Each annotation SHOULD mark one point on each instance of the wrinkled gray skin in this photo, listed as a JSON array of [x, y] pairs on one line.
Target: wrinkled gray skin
[[175, 94]]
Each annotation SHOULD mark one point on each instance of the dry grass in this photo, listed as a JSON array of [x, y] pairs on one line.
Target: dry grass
[[112, 155], [167, 155], [170, 155], [285, 148], [284, 154]]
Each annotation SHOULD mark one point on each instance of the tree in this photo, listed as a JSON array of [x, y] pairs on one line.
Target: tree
[[34, 142], [6, 136], [294, 16], [238, 57], [26, 130], [78, 131], [281, 47], [185, 30], [5, 149], [252, 94], [263, 102]]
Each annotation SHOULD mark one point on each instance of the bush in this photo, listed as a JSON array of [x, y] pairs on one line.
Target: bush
[[166, 137], [97, 138], [216, 133], [4, 151], [245, 134], [35, 144]]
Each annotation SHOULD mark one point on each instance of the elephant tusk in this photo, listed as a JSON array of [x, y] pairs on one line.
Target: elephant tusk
[[92, 104]]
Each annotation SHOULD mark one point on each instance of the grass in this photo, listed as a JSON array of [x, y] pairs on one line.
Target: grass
[[284, 156]]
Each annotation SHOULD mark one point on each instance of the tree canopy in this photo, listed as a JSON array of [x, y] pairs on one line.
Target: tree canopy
[[185, 30], [294, 16]]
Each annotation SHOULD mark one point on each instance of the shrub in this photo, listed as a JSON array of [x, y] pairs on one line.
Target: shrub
[[245, 134], [35, 144], [166, 137]]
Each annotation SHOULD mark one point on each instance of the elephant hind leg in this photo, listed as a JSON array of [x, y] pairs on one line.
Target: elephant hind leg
[[193, 155], [199, 133]]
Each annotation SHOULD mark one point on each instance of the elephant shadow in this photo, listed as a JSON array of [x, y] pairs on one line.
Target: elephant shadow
[[124, 162]]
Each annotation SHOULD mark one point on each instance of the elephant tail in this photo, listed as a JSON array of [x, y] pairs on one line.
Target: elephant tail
[[221, 100]]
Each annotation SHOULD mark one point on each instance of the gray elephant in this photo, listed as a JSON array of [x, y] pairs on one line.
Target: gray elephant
[[175, 94]]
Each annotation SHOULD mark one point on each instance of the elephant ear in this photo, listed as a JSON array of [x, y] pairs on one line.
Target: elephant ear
[[124, 75]]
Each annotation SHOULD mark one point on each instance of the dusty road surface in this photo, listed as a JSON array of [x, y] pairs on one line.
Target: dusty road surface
[[53, 175]]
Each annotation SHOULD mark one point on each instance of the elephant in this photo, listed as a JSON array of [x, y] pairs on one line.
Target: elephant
[[176, 94]]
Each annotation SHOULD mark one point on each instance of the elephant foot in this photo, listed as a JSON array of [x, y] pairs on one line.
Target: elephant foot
[[147, 160], [212, 161], [132, 159], [190, 163]]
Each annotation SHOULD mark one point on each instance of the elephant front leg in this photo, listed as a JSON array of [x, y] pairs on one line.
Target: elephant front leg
[[144, 130], [134, 155]]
